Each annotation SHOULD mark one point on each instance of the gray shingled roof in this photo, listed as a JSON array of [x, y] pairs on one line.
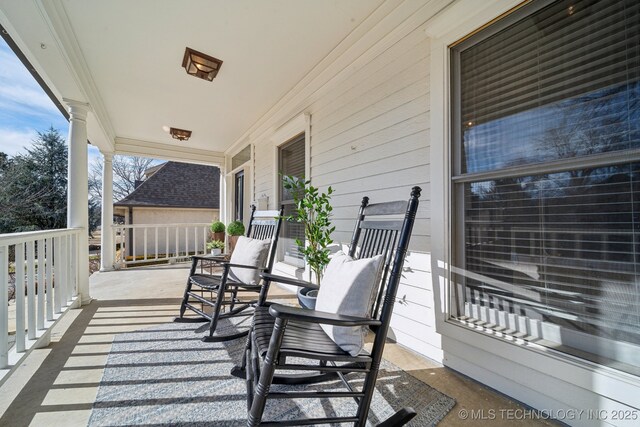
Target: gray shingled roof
[[178, 185]]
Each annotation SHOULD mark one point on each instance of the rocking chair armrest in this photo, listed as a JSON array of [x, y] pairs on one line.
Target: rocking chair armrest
[[313, 316], [252, 267], [213, 258], [288, 281]]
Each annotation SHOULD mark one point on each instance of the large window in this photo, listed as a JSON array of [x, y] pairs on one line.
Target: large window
[[291, 162], [546, 179]]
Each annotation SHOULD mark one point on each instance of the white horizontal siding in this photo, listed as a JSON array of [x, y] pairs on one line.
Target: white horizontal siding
[[377, 122], [378, 72], [263, 170], [370, 136], [376, 103], [367, 153]]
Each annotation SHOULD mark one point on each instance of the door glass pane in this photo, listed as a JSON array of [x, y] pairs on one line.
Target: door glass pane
[[239, 196]]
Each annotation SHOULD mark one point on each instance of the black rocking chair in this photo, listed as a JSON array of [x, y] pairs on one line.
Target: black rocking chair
[[220, 290], [280, 332]]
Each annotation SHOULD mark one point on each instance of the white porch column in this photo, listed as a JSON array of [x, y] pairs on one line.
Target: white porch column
[[78, 190], [107, 248]]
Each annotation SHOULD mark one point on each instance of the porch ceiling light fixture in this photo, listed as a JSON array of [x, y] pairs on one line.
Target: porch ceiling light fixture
[[180, 134], [200, 65]]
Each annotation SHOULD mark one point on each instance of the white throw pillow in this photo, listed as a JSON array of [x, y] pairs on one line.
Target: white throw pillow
[[251, 252], [347, 287]]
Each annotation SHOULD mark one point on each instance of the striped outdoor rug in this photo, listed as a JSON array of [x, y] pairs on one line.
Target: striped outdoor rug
[[165, 375]]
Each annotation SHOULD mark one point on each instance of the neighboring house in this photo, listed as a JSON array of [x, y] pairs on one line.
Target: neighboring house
[[172, 194]]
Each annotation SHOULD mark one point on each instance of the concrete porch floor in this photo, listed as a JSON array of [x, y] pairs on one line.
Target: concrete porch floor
[[57, 385]]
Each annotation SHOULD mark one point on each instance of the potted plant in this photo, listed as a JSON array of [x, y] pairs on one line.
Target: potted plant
[[234, 229], [216, 247], [217, 230], [313, 210]]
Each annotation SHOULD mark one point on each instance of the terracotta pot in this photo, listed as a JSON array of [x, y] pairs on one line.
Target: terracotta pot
[[232, 243], [217, 236]]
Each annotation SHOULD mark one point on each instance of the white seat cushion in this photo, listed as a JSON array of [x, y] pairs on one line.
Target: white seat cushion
[[347, 288], [251, 252]]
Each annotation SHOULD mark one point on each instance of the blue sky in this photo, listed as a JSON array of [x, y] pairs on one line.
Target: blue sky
[[25, 109]]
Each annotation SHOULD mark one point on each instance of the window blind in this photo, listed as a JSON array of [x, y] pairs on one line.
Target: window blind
[[568, 72], [569, 241], [292, 163], [552, 257]]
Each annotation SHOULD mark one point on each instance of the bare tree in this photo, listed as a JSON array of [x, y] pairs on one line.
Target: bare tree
[[126, 172]]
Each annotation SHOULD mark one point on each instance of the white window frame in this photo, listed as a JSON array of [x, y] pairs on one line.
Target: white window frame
[[492, 359], [285, 133]]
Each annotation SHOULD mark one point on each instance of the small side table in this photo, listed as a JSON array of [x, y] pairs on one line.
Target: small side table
[[209, 262]]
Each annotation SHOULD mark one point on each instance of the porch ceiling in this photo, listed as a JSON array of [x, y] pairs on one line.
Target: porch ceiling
[[124, 58]]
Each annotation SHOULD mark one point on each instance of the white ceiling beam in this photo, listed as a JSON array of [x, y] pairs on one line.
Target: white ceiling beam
[[154, 150]]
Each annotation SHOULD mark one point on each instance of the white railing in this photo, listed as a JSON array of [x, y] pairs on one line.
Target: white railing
[[44, 265], [145, 243]]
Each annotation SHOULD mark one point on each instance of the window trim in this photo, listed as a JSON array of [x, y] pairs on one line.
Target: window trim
[[283, 135], [570, 373], [454, 207]]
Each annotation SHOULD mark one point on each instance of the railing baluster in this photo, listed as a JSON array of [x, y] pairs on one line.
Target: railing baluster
[[176, 249], [145, 243], [72, 290], [186, 241], [20, 326], [4, 309], [64, 259], [204, 241], [114, 238], [57, 274], [49, 281], [195, 234], [166, 242], [156, 241], [133, 244], [123, 243], [31, 292], [41, 289], [68, 273]]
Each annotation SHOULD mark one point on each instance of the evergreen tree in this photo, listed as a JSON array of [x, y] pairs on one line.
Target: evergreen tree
[[33, 187], [47, 161], [33, 190]]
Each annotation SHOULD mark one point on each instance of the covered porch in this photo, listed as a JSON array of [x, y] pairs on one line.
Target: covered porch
[[519, 119], [57, 385]]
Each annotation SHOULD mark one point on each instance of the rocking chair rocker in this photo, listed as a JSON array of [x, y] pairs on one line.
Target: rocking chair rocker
[[280, 332], [224, 289]]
